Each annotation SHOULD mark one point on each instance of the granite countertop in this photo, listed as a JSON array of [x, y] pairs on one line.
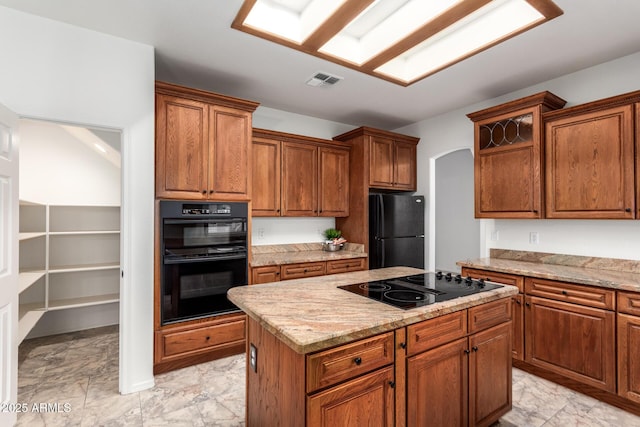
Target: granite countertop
[[313, 314], [302, 252], [611, 273]]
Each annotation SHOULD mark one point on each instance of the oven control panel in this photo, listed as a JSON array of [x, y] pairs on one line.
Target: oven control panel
[[212, 209]]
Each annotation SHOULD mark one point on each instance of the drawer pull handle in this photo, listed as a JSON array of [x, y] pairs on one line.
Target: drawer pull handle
[[474, 348], [357, 360]]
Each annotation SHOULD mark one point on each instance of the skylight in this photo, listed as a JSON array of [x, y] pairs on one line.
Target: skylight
[[402, 41]]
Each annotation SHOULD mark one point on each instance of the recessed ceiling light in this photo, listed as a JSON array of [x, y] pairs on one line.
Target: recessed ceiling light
[[402, 41]]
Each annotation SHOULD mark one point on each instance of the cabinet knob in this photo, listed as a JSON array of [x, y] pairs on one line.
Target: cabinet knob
[[204, 191], [527, 304], [403, 345], [474, 348], [208, 338], [357, 360], [392, 384], [517, 301], [564, 292], [466, 351], [277, 273], [627, 210], [535, 211]]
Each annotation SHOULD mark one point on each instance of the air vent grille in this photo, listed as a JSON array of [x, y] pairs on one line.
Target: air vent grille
[[323, 79]]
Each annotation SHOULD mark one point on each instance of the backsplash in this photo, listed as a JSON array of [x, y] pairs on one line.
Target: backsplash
[[284, 230], [615, 264]]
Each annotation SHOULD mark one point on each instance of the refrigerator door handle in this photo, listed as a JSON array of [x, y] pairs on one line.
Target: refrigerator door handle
[[381, 257], [380, 207]]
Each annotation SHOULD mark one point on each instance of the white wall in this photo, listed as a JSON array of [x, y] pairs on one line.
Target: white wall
[[273, 231], [55, 71], [453, 130]]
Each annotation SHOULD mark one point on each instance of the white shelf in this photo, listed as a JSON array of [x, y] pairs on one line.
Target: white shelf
[[28, 278], [74, 268], [32, 235], [83, 301], [29, 316], [80, 241]]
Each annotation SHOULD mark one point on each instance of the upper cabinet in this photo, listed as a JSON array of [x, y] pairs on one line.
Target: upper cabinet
[[392, 162], [203, 144], [508, 170], [295, 175], [590, 161]]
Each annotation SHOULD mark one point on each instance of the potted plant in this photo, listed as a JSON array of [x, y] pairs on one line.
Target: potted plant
[[333, 240]]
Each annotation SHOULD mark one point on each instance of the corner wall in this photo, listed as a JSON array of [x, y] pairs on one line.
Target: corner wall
[[453, 130]]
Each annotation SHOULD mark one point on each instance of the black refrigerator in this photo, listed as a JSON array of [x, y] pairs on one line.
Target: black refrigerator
[[396, 230]]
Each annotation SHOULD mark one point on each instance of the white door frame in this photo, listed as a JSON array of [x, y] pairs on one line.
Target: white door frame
[[9, 216]]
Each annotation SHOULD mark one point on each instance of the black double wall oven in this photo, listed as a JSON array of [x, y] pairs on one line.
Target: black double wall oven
[[204, 254]]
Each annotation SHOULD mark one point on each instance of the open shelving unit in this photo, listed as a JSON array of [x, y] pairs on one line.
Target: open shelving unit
[[69, 258]]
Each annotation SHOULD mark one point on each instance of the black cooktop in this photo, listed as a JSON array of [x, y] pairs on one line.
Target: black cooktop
[[421, 289]]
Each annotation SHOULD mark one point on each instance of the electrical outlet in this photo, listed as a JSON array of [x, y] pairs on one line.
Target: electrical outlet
[[534, 239], [260, 233], [495, 235]]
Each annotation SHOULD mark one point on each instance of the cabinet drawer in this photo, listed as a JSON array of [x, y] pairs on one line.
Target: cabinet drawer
[[487, 315], [507, 279], [629, 302], [344, 265], [347, 361], [296, 271], [185, 342], [265, 274], [434, 332], [577, 294]]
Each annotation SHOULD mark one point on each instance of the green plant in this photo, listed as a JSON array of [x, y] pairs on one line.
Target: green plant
[[332, 233]]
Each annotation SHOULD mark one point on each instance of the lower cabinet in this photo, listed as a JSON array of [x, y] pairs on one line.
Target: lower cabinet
[[275, 273], [466, 381], [199, 341], [575, 340], [629, 346]]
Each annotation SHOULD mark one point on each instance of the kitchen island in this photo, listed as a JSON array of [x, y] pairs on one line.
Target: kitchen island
[[319, 355]]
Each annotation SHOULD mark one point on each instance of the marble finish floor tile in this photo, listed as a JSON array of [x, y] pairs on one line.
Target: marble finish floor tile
[[79, 373]]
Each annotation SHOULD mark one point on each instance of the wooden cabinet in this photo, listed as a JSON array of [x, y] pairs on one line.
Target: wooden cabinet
[[265, 199], [461, 364], [392, 163], [508, 168], [517, 305], [188, 343], [629, 345], [203, 144], [274, 273], [590, 164], [568, 333], [295, 175]]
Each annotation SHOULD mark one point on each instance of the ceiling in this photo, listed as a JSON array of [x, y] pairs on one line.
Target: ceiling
[[196, 46]]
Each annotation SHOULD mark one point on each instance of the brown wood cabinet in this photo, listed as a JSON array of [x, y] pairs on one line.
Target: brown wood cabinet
[[517, 306], [188, 343], [295, 175], [574, 339], [590, 163], [508, 168], [378, 158], [629, 345], [465, 372], [274, 273], [203, 148]]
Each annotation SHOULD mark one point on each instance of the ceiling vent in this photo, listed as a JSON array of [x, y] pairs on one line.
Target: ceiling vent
[[323, 79]]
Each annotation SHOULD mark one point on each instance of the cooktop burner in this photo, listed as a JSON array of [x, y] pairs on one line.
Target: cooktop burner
[[420, 289]]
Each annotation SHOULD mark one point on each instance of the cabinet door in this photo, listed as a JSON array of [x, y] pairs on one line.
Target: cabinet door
[[181, 148], [437, 386], [381, 162], [507, 168], [364, 401], [517, 334], [590, 165], [229, 153], [266, 274], [404, 173], [629, 357], [299, 179], [489, 375], [265, 192], [575, 341], [333, 182]]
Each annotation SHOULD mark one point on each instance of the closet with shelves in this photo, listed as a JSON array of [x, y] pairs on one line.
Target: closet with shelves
[[69, 258]]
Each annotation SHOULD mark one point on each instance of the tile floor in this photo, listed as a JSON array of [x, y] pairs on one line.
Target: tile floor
[[81, 370]]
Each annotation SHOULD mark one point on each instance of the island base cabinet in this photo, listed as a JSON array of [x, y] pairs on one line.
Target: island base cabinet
[[466, 382], [365, 401]]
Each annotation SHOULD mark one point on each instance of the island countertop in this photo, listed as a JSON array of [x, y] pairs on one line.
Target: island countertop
[[312, 314]]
